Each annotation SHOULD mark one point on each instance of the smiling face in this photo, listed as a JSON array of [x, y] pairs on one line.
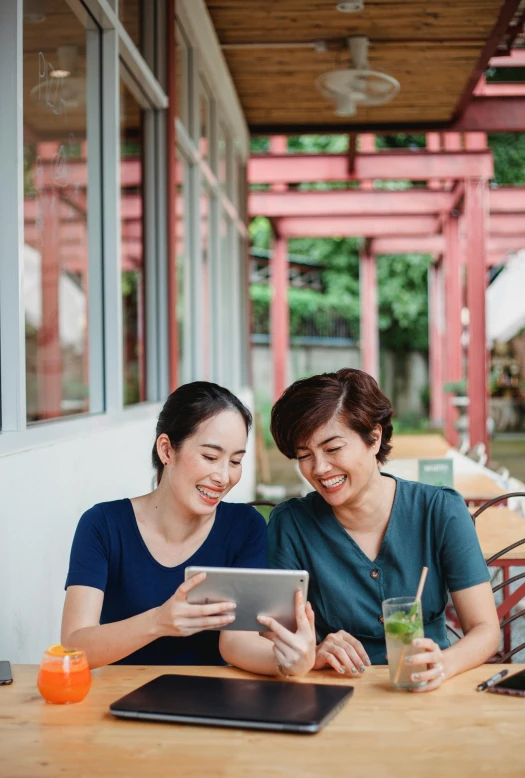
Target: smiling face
[[337, 462], [208, 464]]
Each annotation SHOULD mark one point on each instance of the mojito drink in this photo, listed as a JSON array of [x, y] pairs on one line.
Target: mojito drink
[[403, 621]]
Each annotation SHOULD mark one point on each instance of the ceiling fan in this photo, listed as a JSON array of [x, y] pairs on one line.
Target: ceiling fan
[[357, 86]]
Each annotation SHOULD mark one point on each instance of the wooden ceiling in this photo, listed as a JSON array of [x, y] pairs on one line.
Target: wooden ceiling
[[433, 49]]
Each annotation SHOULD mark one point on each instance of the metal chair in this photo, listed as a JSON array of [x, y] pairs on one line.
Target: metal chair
[[504, 623], [495, 501]]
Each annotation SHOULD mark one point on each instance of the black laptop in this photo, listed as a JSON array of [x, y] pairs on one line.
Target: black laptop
[[231, 702]]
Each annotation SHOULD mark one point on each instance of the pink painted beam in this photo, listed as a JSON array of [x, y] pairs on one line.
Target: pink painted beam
[[507, 224], [434, 244], [355, 226], [516, 59], [279, 313], [417, 244], [492, 114], [416, 166], [498, 90], [369, 324], [507, 199], [476, 215], [501, 243], [353, 202]]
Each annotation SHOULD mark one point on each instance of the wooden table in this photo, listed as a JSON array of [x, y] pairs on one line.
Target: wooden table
[[477, 487], [419, 447], [498, 528], [454, 731], [474, 487]]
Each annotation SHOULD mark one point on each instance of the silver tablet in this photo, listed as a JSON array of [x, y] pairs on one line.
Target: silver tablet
[[255, 592]]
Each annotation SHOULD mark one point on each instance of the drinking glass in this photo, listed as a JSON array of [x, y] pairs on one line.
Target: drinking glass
[[403, 621], [64, 675]]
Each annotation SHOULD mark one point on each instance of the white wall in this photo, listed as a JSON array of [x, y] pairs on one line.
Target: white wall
[[43, 492]]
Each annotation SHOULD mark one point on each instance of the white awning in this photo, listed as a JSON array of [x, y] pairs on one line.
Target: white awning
[[505, 301]]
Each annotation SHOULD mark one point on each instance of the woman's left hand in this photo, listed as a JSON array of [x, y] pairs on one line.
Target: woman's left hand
[[293, 651], [432, 656]]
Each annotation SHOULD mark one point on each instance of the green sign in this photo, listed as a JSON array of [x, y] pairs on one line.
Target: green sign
[[437, 472]]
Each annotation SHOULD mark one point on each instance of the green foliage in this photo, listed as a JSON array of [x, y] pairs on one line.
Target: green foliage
[[259, 144], [403, 301], [317, 144], [508, 149]]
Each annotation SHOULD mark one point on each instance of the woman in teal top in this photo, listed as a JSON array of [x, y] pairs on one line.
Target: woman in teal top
[[364, 536]]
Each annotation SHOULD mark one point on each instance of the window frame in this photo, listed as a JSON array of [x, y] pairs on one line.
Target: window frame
[[112, 45]]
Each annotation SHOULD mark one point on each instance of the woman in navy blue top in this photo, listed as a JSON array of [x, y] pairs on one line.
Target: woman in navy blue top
[[364, 536], [126, 594]]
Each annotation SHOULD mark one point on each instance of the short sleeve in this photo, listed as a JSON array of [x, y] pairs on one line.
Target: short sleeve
[[461, 555], [89, 560], [281, 547], [253, 550]]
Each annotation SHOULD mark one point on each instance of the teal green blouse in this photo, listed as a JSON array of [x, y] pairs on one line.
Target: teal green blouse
[[429, 525]]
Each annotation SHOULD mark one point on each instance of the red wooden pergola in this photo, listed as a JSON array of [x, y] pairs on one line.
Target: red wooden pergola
[[456, 217]]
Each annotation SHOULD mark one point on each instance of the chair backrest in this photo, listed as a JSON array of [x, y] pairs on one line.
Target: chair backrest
[[270, 504], [504, 623], [495, 501]]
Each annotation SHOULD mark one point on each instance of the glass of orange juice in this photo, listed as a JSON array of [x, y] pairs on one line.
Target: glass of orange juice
[[64, 675]]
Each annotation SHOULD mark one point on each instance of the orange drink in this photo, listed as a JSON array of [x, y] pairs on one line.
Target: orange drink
[[64, 675]]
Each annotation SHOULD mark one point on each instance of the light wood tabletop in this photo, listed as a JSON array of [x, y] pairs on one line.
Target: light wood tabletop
[[477, 486], [419, 447], [473, 486], [498, 528], [454, 731]]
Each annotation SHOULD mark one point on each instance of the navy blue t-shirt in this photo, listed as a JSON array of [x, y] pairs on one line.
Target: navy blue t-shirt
[[109, 554]]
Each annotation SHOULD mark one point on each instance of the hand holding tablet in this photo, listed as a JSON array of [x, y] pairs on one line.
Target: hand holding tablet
[[255, 592]]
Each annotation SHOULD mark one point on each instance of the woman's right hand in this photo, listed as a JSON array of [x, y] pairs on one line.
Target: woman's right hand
[[178, 618], [342, 652]]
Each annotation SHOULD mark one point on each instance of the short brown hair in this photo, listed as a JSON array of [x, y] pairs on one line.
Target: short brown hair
[[352, 395]]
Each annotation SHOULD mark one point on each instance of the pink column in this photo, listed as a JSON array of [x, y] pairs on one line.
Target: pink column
[[367, 145], [279, 324], [433, 143], [476, 216], [436, 343], [369, 317], [476, 141], [453, 304], [280, 317], [49, 355]]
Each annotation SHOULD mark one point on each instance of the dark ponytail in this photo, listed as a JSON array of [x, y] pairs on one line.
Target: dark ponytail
[[187, 407]]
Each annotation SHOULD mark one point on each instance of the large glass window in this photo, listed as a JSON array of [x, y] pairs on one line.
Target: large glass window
[[131, 15], [181, 77], [204, 123], [132, 217], [55, 213], [206, 273], [180, 237]]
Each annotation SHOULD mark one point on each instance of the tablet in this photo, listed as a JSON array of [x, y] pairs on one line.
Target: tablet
[[255, 592], [232, 702]]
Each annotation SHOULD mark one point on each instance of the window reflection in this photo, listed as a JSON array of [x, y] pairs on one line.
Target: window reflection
[[206, 305], [55, 213], [132, 213], [180, 237], [131, 15]]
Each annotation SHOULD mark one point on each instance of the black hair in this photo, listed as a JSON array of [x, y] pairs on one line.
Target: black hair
[[187, 407]]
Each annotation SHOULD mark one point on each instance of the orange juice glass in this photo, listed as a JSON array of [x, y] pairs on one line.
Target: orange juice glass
[[64, 675]]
